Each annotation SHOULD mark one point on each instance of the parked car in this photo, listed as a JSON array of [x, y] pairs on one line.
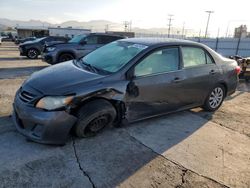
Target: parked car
[[18, 41], [32, 49], [0, 40], [126, 80], [77, 47]]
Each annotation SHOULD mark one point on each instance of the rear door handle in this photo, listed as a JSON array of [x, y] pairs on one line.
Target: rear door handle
[[212, 72], [177, 80]]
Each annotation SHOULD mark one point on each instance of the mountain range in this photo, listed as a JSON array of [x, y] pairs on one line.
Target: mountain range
[[94, 25]]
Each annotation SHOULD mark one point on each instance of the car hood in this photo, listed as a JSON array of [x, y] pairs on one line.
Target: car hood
[[61, 79], [28, 42]]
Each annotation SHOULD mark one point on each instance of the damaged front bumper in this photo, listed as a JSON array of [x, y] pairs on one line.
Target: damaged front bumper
[[48, 127]]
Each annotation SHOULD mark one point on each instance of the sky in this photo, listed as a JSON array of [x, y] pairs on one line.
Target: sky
[[142, 13]]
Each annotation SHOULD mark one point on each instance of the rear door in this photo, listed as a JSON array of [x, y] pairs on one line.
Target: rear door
[[200, 74]]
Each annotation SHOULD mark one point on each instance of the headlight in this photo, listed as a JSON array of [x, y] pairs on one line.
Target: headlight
[[50, 49], [52, 103]]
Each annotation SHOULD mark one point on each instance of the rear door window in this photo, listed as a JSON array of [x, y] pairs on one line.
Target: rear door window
[[193, 56], [209, 59]]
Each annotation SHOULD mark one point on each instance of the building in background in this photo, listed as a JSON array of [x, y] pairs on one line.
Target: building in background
[[67, 32], [241, 32], [24, 32]]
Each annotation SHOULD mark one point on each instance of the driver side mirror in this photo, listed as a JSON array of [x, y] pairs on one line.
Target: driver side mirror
[[130, 74]]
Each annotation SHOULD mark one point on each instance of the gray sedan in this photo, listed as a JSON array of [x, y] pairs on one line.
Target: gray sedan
[[124, 81]]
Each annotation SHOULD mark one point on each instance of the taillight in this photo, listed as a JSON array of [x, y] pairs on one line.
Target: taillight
[[237, 70]]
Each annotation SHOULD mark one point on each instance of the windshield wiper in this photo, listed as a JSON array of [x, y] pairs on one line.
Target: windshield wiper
[[90, 67], [93, 68]]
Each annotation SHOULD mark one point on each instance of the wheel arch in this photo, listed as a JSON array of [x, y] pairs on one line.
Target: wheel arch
[[65, 52], [117, 103], [224, 84]]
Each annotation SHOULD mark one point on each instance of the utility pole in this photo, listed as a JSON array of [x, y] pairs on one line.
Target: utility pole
[[126, 26], [130, 26], [106, 28], [183, 29], [200, 33], [218, 33], [209, 13], [169, 23]]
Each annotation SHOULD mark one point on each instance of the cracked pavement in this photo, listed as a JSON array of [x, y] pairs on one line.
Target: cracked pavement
[[186, 149]]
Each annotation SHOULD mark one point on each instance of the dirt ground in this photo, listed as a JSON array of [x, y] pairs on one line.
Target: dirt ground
[[187, 149]]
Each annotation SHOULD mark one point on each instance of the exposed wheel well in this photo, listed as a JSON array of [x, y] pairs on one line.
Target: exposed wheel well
[[118, 105]]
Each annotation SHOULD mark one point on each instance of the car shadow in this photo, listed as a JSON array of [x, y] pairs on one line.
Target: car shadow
[[6, 124], [10, 50], [16, 58], [121, 155], [15, 47], [8, 73]]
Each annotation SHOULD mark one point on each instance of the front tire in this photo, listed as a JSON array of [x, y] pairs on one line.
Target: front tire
[[94, 117], [215, 98], [32, 53]]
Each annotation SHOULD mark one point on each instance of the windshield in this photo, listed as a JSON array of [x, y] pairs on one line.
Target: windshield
[[77, 38], [113, 56]]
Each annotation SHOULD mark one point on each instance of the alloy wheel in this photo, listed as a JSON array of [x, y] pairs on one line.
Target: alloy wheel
[[32, 54], [216, 97]]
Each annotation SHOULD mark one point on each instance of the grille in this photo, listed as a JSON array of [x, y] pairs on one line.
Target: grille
[[26, 96]]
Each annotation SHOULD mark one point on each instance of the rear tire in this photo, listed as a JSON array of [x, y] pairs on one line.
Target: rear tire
[[65, 57], [215, 98], [32, 53], [93, 117]]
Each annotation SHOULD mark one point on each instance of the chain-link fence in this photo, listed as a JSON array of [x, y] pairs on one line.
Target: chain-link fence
[[224, 46]]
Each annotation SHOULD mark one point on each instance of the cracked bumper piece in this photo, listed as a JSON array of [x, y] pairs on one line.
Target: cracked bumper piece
[[48, 127]]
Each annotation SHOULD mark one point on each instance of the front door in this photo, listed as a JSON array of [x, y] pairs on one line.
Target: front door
[[156, 86], [91, 44]]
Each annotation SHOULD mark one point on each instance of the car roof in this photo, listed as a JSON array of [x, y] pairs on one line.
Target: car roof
[[156, 41], [107, 34]]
